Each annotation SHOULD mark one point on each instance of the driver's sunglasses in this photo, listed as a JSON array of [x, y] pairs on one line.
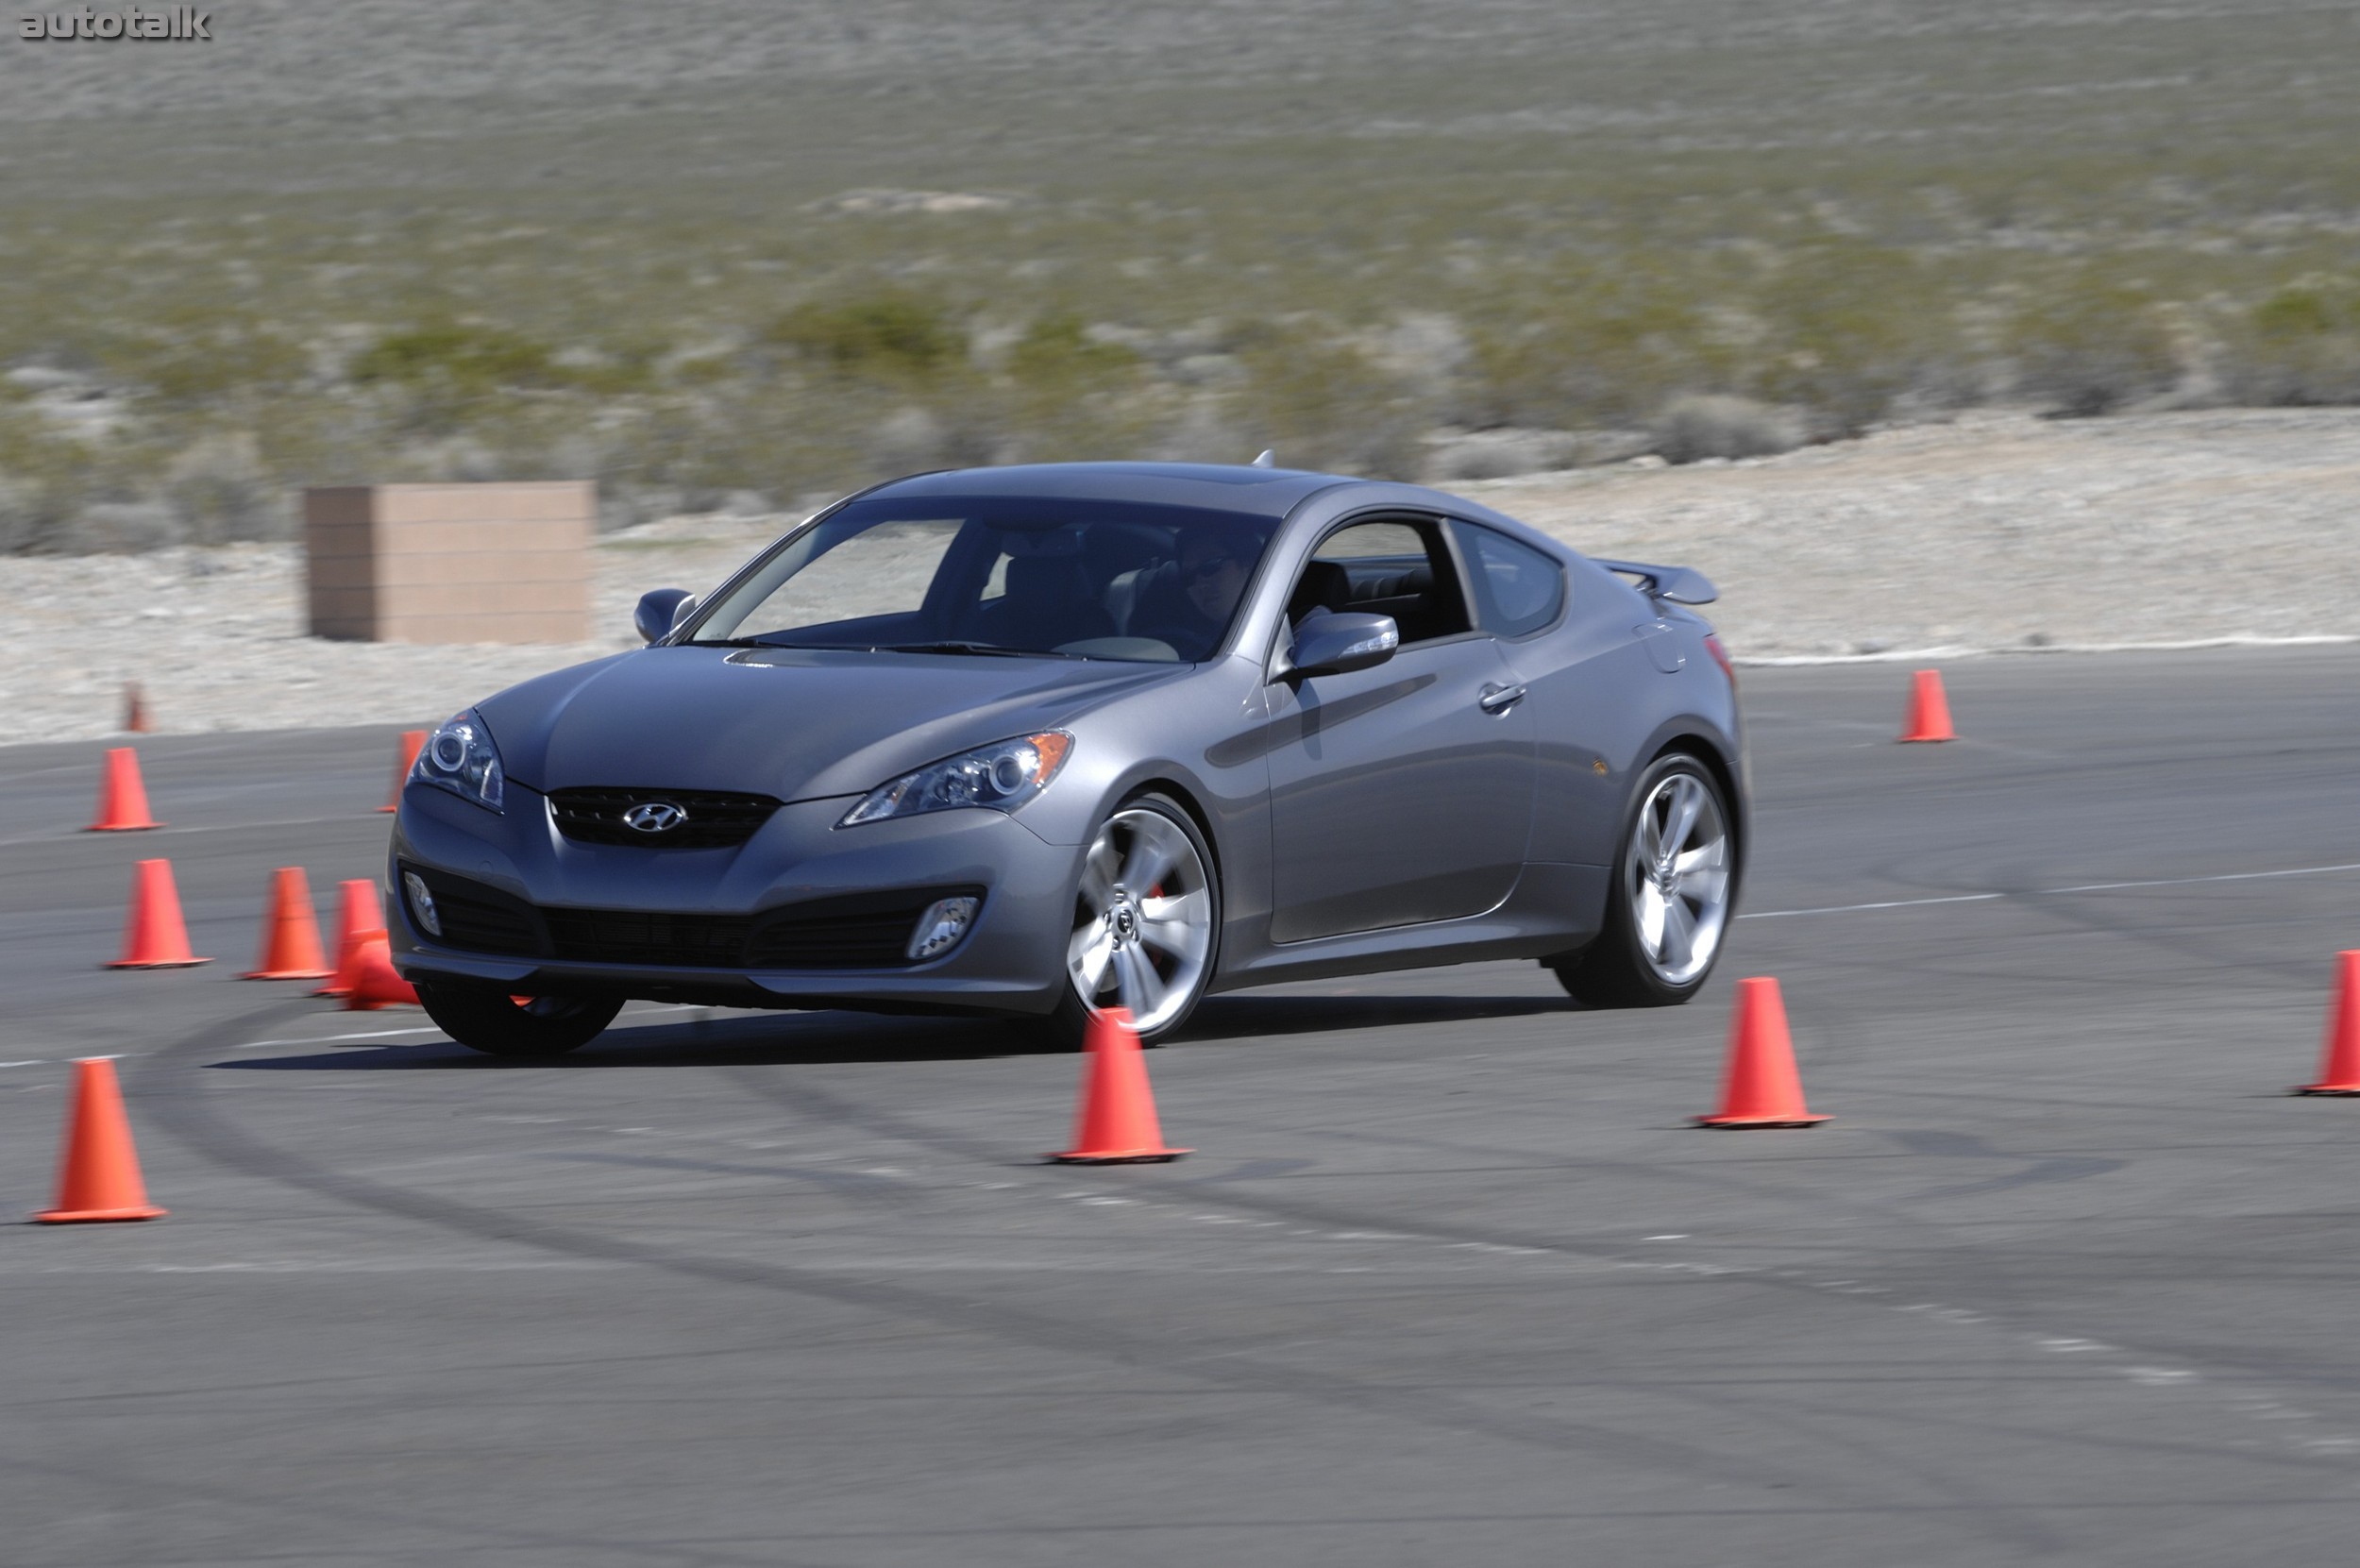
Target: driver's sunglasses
[[1211, 567]]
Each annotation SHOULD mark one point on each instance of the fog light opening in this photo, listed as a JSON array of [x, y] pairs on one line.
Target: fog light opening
[[939, 928], [421, 903]]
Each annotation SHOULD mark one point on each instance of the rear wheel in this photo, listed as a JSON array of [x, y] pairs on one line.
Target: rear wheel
[[500, 1024], [1669, 905], [1146, 923]]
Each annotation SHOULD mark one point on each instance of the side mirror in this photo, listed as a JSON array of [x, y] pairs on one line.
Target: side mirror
[[661, 610], [1338, 642]]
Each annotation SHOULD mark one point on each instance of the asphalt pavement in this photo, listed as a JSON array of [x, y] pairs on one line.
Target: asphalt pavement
[[2069, 1278]]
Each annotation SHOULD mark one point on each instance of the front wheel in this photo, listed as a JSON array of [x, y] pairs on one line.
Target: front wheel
[[1146, 925], [499, 1024], [1668, 907]]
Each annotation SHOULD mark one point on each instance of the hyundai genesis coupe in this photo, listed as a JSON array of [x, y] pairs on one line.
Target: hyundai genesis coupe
[[1040, 742]]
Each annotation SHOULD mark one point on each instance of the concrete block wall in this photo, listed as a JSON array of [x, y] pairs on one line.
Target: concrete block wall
[[451, 563]]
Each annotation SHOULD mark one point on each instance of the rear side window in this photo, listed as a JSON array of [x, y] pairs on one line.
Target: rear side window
[[1517, 589]]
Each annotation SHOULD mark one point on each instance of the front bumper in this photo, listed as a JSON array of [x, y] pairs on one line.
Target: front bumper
[[1010, 961]]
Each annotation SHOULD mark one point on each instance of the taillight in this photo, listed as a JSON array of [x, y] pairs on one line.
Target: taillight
[[1721, 657]]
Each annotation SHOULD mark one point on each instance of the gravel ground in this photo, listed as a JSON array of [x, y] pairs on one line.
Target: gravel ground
[[1999, 531], [1996, 532]]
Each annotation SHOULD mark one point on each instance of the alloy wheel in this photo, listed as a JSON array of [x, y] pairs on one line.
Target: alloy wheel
[[1143, 920], [1676, 877]]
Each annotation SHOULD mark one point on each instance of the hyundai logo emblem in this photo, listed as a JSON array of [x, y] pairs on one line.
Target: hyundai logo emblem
[[654, 817]]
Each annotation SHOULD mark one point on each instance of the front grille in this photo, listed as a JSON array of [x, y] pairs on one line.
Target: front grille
[[717, 818]]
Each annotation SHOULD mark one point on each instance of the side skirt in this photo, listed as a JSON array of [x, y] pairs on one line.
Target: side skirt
[[1555, 908]]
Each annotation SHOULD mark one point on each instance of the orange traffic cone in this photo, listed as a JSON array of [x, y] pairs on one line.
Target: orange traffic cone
[[134, 709], [1761, 1088], [1116, 1122], [98, 1177], [413, 741], [291, 933], [122, 795], [374, 981], [360, 915], [2340, 1066], [154, 936], [1930, 709]]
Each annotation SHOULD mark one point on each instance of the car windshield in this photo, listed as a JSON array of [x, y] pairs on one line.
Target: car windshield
[[998, 576]]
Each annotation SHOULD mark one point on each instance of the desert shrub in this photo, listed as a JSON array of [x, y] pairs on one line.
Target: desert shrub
[[1069, 396], [217, 490], [2299, 346], [913, 439], [687, 450], [45, 482], [2086, 347], [196, 360], [119, 528], [2309, 308], [1319, 402], [617, 369], [1598, 349], [684, 444], [447, 373], [459, 355], [1429, 351], [1204, 429], [1500, 453], [888, 335], [320, 440], [1703, 425], [1056, 353], [30, 514], [1848, 331]]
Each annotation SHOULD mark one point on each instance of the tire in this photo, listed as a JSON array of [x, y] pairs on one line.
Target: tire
[[494, 1023], [1158, 961], [1664, 925]]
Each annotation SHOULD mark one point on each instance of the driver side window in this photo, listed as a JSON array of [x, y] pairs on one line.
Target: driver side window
[[1396, 566]]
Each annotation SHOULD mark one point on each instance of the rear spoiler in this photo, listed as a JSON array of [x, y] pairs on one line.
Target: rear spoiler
[[1676, 583]]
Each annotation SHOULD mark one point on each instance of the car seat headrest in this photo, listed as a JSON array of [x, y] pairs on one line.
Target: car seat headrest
[[1325, 585]]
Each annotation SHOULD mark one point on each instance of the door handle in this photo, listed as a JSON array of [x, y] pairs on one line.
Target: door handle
[[1498, 700]]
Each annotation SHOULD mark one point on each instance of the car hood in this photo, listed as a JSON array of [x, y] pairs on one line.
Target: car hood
[[796, 723]]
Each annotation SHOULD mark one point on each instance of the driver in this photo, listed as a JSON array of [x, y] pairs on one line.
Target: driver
[[1212, 576]]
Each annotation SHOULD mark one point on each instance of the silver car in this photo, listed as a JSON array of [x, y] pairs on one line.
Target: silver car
[[1039, 742]]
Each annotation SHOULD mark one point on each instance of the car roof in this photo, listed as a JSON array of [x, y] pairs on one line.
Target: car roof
[[1214, 487], [1271, 492]]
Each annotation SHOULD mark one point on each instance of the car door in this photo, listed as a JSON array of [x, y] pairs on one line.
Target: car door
[[1402, 793], [1586, 672]]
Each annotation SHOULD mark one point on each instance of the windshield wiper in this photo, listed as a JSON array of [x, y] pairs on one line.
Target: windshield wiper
[[741, 642], [987, 650]]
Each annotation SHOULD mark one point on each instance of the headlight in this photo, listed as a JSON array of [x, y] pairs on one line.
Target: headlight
[[1003, 775], [460, 757]]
